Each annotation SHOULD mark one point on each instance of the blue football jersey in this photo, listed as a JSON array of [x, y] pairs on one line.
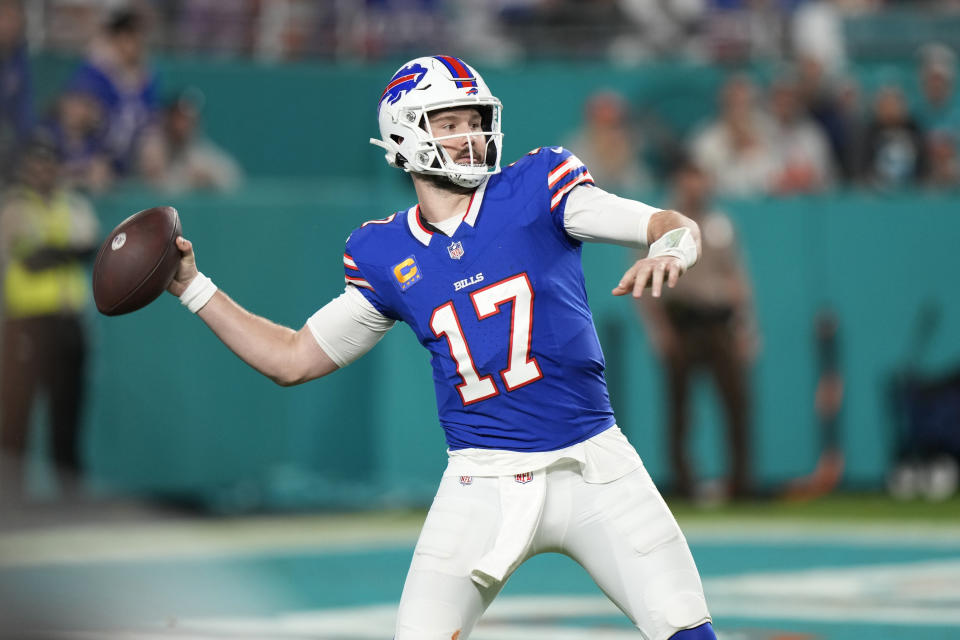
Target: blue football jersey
[[502, 307]]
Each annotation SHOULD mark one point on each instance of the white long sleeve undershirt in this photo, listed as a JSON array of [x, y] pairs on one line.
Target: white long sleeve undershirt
[[593, 215]]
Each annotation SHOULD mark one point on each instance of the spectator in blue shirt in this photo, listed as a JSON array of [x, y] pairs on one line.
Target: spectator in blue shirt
[[77, 131], [119, 76]]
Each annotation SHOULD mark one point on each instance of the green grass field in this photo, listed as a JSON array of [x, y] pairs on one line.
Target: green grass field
[[841, 506]]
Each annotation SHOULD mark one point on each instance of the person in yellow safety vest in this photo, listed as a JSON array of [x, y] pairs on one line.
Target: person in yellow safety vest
[[47, 236]]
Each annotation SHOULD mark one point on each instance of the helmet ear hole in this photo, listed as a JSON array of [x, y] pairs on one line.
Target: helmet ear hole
[[486, 118], [491, 156], [396, 138]]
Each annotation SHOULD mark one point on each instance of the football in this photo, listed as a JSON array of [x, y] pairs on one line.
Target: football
[[137, 261]]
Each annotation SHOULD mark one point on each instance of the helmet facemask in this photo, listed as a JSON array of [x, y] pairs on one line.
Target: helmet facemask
[[482, 149]]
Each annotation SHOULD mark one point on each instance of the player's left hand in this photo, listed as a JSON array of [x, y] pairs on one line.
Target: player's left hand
[[652, 271], [186, 270]]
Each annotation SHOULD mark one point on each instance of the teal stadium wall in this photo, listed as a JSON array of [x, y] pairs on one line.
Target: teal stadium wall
[[173, 413]]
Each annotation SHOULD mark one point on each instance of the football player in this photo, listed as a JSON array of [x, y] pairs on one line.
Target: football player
[[485, 269]]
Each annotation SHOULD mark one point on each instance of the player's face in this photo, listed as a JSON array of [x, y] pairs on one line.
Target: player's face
[[468, 146]]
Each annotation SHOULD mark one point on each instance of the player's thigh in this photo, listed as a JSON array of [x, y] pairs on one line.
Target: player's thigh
[[624, 535], [439, 598]]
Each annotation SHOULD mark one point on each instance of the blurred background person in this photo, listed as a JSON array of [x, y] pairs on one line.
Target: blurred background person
[[736, 149], [834, 104], [667, 27], [575, 28], [706, 324], [16, 97], [396, 26], [77, 128], [828, 407], [48, 234], [479, 30], [119, 75], [214, 27], [893, 154], [816, 31], [938, 106], [943, 163], [70, 25], [742, 31], [295, 29], [802, 151], [608, 143], [178, 157], [938, 113]]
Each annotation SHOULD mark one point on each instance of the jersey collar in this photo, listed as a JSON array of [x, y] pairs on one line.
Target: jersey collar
[[473, 209], [424, 235], [417, 229]]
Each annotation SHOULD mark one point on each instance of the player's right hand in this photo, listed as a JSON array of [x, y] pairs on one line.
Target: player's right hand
[[186, 270], [653, 271]]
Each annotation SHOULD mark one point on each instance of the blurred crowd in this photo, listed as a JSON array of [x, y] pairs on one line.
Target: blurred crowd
[[109, 120], [811, 126], [804, 131], [623, 30]]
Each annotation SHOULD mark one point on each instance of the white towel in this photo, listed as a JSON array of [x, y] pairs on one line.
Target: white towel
[[521, 507]]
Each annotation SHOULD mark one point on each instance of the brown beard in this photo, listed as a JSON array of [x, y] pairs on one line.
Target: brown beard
[[444, 183]]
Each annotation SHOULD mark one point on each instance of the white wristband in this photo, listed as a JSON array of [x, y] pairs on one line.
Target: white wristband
[[678, 243], [198, 293]]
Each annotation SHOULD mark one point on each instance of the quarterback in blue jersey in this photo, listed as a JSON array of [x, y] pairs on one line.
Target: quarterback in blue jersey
[[501, 306], [485, 269]]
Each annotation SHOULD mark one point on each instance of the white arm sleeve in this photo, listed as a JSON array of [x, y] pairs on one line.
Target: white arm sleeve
[[593, 215], [348, 326]]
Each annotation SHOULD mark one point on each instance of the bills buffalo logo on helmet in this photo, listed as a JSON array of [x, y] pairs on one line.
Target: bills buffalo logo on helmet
[[405, 80]]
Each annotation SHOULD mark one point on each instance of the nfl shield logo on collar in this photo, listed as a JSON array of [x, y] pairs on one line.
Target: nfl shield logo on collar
[[455, 249]]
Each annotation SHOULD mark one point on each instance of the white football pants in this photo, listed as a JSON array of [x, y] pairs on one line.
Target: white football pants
[[621, 532]]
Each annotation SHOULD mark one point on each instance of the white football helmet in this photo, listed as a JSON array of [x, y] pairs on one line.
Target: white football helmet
[[431, 84]]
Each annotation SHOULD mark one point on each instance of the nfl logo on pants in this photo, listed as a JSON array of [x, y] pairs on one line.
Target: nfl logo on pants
[[524, 478], [455, 249]]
